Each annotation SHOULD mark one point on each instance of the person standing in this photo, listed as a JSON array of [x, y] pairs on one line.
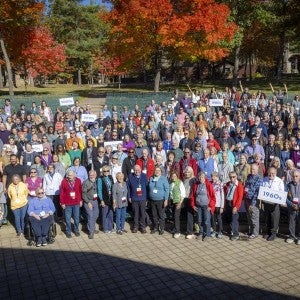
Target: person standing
[[120, 202], [272, 211], [71, 201], [293, 203], [137, 194], [90, 199], [234, 192], [252, 185], [17, 193], [158, 195], [104, 186]]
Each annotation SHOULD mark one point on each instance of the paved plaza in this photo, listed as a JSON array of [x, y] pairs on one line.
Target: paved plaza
[[137, 266]]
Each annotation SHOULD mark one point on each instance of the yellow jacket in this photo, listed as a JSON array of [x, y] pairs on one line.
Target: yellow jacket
[[18, 195]]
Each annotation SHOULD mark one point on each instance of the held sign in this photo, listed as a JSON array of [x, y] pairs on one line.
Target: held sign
[[66, 101], [216, 102], [88, 118], [267, 194]]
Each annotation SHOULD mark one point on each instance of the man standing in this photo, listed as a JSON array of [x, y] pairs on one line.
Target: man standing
[[272, 211], [293, 202], [71, 201], [146, 163], [137, 193], [234, 192], [252, 185], [207, 165], [90, 198]]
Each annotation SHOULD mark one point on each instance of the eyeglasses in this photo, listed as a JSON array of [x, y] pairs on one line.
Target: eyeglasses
[[41, 193], [232, 176], [72, 132], [105, 171], [131, 152], [33, 172], [187, 152]]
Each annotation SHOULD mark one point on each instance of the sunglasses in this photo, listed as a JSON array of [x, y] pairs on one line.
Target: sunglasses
[[32, 172], [105, 171], [41, 193], [232, 176]]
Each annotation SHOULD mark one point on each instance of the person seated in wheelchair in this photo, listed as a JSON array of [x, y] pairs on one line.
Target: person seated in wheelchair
[[40, 211]]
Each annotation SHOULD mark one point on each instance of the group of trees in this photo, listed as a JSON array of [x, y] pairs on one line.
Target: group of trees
[[66, 38]]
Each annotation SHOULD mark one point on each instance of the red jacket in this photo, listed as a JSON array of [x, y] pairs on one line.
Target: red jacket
[[66, 195], [150, 166], [210, 192], [213, 143], [237, 196], [192, 163]]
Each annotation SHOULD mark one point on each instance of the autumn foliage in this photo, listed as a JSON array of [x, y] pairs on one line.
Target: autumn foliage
[[190, 28], [43, 55]]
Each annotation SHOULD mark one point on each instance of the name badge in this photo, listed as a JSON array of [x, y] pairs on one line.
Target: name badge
[[298, 164], [72, 195], [42, 213], [271, 156], [131, 171], [95, 196], [155, 191], [29, 163], [145, 171], [295, 200], [18, 200], [32, 193], [139, 191], [124, 199]]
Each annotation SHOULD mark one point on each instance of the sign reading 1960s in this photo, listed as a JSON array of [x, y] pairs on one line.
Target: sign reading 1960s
[[267, 194]]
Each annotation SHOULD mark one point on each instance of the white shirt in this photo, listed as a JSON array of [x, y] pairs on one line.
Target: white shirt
[[276, 184]]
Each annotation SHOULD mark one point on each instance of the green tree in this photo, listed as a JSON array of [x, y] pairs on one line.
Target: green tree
[[78, 27]]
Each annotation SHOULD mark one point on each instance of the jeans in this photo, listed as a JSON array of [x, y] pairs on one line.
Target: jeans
[[41, 228], [107, 218], [253, 219], [294, 217], [217, 223], [177, 211], [20, 214], [231, 218], [120, 218], [204, 216], [157, 208], [92, 215], [272, 212], [72, 211], [139, 214]]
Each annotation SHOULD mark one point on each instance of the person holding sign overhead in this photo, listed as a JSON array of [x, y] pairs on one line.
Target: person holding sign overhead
[[272, 210], [293, 203]]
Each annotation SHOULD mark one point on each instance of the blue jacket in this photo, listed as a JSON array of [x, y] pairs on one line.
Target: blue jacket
[[159, 189], [207, 168], [37, 205], [134, 183], [252, 186]]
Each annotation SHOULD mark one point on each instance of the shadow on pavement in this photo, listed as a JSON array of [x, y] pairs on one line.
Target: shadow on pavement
[[47, 274]]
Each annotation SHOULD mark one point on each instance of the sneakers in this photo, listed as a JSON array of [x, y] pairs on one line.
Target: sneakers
[[120, 232], [134, 230], [38, 244], [77, 234], [20, 233], [235, 238], [161, 232], [68, 235], [124, 231], [44, 243], [298, 242], [290, 240], [271, 238], [176, 235], [252, 237], [190, 236], [220, 235]]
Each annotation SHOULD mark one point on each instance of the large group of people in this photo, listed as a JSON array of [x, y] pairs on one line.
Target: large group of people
[[182, 157]]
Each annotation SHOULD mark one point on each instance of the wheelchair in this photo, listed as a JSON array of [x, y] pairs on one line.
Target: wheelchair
[[30, 236]]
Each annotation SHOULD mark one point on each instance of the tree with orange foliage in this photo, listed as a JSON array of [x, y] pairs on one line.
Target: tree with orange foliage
[[43, 56], [18, 18], [144, 30]]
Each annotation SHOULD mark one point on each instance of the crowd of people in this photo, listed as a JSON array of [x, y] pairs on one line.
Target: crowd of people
[[200, 162]]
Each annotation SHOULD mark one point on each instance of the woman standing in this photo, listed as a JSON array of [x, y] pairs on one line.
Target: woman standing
[[171, 165], [33, 182], [18, 192], [177, 194], [38, 166], [120, 202], [79, 170], [158, 195], [242, 169], [75, 152], [63, 156]]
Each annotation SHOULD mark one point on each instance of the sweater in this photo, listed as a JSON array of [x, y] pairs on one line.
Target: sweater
[[70, 194], [137, 187], [158, 188]]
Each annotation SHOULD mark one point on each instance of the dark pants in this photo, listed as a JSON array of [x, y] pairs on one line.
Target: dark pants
[[217, 222], [92, 215], [231, 219], [139, 214], [157, 208], [41, 228], [58, 208], [294, 218], [107, 218], [272, 212], [177, 211], [204, 218]]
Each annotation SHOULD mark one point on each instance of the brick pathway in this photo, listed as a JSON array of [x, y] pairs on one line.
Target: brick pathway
[[136, 266]]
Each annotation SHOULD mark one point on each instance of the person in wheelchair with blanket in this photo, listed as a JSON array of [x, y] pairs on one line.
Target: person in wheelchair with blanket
[[40, 211]]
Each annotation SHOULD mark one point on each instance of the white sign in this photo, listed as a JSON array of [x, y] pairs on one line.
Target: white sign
[[88, 118], [216, 102], [37, 148], [66, 101], [267, 194], [113, 144]]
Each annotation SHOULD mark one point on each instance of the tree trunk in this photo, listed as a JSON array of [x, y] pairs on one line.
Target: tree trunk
[[280, 56], [158, 64], [8, 68], [79, 76], [1, 77], [119, 81], [250, 67], [236, 65]]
